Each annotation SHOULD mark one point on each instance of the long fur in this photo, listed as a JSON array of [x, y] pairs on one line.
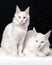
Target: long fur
[[30, 48], [14, 35]]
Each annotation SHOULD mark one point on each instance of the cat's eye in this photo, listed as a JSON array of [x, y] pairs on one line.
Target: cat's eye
[[24, 17], [36, 40], [42, 41], [19, 16]]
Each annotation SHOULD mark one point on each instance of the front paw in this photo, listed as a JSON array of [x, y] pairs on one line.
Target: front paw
[[33, 55], [21, 54], [41, 55]]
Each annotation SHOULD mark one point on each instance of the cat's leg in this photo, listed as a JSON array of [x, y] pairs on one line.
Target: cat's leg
[[14, 51], [20, 47], [28, 53], [42, 55], [46, 51]]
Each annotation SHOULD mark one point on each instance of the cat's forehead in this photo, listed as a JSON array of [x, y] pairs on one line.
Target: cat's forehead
[[40, 36], [22, 13]]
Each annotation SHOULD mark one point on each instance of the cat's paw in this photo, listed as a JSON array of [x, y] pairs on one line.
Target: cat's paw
[[13, 55], [21, 54], [41, 55], [33, 55]]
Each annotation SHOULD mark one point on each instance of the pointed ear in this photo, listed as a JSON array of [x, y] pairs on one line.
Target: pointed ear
[[27, 10], [47, 35], [34, 32], [17, 9]]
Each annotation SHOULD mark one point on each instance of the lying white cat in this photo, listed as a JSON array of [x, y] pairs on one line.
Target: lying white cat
[[15, 32], [36, 44]]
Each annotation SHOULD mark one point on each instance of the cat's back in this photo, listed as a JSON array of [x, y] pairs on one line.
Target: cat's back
[[7, 28], [28, 35]]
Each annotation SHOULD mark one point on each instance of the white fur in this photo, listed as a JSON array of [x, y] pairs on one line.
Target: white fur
[[2, 52], [14, 33], [50, 54], [32, 46]]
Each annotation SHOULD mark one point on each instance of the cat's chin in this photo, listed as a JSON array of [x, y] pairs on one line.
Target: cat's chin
[[23, 23], [39, 48]]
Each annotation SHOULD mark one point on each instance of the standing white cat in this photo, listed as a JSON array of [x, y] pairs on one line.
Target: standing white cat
[[36, 44], [15, 32]]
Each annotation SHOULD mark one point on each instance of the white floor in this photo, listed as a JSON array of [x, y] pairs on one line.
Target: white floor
[[25, 60]]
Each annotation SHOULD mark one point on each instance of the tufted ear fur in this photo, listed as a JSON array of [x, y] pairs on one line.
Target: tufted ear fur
[[27, 10], [17, 9], [34, 32], [47, 35]]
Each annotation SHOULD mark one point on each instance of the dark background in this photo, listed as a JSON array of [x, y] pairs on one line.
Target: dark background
[[40, 14]]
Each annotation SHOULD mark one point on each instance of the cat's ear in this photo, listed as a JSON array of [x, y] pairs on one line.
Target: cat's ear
[[17, 9], [27, 10], [47, 35], [34, 31]]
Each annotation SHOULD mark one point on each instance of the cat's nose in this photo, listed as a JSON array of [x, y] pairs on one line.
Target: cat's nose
[[21, 20], [38, 45]]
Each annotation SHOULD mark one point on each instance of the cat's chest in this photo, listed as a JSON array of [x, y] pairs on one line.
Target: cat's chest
[[18, 30], [18, 33]]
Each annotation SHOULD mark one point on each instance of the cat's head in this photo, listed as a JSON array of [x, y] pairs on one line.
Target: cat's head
[[21, 16], [40, 40]]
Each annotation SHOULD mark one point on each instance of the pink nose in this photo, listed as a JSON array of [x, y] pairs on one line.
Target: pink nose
[[21, 20], [38, 45]]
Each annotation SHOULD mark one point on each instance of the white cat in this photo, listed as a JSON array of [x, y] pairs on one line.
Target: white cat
[[36, 44], [15, 32]]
